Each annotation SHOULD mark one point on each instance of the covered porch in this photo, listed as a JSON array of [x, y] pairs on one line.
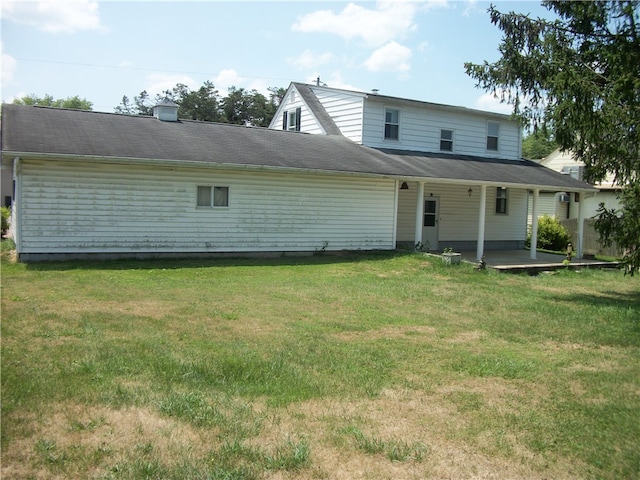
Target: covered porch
[[475, 204]]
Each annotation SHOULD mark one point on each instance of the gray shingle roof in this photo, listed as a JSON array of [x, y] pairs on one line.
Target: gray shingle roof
[[49, 131], [483, 170]]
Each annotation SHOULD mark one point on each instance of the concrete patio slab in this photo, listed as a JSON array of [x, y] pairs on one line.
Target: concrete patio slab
[[516, 261]]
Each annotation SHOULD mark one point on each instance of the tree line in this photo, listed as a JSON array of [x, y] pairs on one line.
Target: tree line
[[239, 106]]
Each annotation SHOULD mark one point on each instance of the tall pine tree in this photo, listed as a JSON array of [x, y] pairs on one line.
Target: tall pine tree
[[579, 75]]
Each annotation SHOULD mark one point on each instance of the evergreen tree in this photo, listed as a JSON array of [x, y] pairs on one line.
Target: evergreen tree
[[580, 76]]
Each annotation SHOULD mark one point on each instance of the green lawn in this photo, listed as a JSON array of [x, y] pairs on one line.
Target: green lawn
[[359, 366]]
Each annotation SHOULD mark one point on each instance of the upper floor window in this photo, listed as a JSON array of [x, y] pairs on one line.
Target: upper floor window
[[446, 140], [493, 129], [501, 200], [391, 124], [291, 119]]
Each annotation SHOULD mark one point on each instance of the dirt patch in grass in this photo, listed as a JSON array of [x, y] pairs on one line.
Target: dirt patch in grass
[[390, 332], [68, 439], [77, 441], [407, 417]]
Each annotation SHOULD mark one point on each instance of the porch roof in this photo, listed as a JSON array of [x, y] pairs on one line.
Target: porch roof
[[473, 170]]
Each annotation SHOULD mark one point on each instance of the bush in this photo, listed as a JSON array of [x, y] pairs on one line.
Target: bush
[[552, 235], [6, 214]]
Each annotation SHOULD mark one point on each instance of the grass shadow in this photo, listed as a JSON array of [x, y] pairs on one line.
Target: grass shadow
[[285, 260]]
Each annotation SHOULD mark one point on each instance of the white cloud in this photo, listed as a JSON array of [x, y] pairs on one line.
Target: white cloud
[[392, 57], [389, 20], [159, 82], [491, 103], [231, 78], [54, 16], [7, 67], [308, 59], [472, 7]]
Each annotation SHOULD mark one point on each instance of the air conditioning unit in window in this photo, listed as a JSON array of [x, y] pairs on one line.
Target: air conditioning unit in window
[[564, 198]]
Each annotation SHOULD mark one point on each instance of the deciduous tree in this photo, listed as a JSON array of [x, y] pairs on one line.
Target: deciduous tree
[[74, 102]]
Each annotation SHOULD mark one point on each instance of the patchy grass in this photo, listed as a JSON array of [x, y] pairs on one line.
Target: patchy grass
[[362, 366]]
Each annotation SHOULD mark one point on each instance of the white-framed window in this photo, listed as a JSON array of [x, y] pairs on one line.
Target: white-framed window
[[209, 196], [446, 140], [493, 132], [502, 196], [291, 119], [391, 124]]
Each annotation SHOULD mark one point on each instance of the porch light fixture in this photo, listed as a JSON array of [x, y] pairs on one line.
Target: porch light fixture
[[404, 186], [470, 191]]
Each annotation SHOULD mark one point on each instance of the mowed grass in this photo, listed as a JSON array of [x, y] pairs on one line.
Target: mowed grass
[[359, 366]]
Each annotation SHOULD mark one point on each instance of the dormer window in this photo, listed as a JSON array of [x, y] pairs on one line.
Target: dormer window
[[493, 129], [391, 124], [446, 140], [291, 120]]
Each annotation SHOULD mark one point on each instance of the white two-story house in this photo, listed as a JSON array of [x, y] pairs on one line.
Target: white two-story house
[[337, 170], [469, 188]]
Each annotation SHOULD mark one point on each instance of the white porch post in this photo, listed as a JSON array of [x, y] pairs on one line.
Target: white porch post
[[419, 213], [580, 245], [534, 223], [482, 210]]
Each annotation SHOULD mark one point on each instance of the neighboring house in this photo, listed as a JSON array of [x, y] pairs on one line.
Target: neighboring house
[[471, 187], [563, 205], [99, 185]]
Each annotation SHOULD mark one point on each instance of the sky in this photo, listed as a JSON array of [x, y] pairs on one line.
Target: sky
[[103, 50]]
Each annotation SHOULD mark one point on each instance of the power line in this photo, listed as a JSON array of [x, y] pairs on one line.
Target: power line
[[143, 69]]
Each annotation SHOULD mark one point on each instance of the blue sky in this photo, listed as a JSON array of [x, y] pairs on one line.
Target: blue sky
[[106, 49]]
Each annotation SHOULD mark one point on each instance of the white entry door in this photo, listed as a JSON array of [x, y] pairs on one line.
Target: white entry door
[[430, 222]]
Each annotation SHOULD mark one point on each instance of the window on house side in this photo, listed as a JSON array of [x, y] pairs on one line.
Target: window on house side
[[212, 196], [291, 119], [391, 124], [493, 130], [291, 125], [446, 140], [220, 196], [501, 200]]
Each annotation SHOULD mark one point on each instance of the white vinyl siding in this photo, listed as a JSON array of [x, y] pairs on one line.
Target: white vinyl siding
[[458, 215], [345, 109], [83, 208], [421, 130]]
